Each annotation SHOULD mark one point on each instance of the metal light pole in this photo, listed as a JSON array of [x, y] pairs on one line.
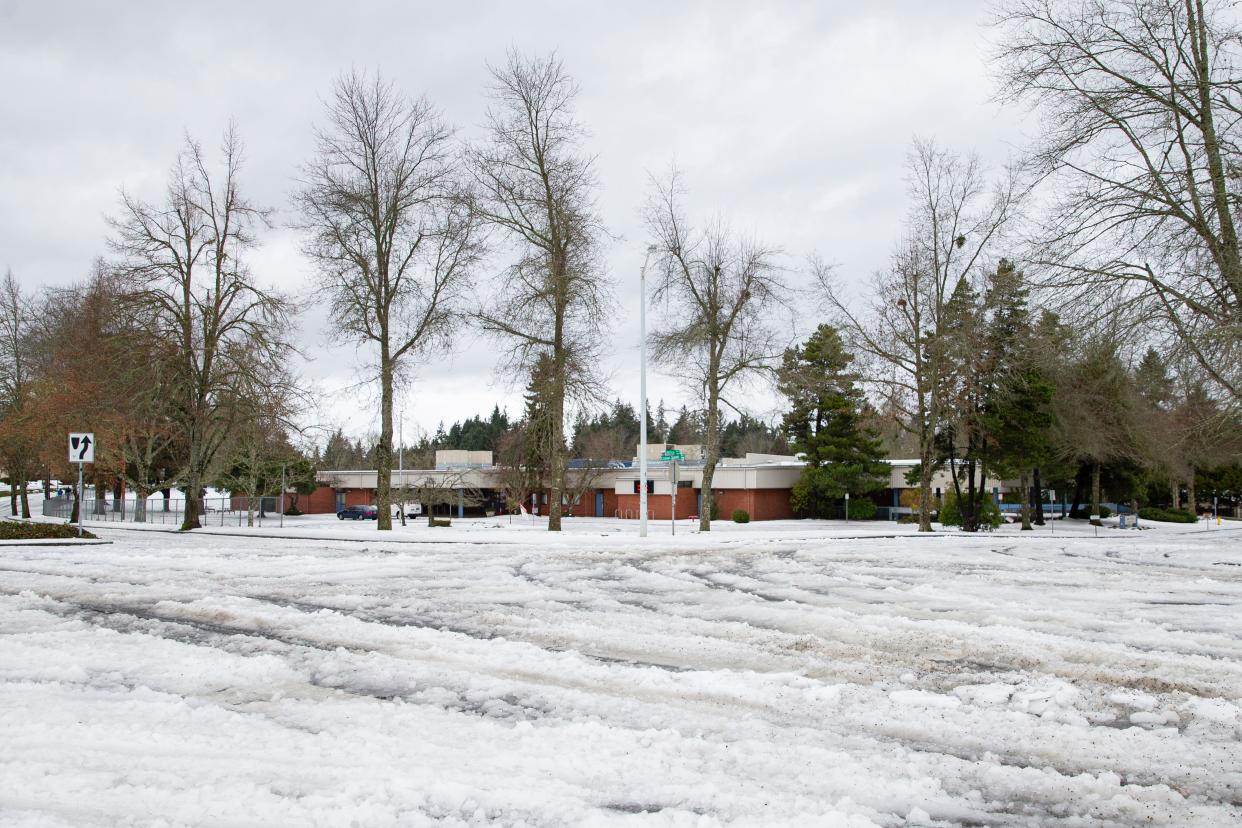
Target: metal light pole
[[642, 393], [283, 489]]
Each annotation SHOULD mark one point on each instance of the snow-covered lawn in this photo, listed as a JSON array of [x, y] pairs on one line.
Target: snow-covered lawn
[[763, 675]]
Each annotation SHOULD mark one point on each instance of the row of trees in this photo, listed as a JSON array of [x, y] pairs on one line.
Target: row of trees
[[170, 352], [1136, 245], [398, 218]]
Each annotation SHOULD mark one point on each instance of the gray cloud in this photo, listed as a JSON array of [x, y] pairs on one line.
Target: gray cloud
[[793, 119]]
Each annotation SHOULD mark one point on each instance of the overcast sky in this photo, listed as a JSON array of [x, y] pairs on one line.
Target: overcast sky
[[791, 119]]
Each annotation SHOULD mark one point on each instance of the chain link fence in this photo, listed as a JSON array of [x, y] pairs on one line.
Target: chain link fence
[[214, 511]]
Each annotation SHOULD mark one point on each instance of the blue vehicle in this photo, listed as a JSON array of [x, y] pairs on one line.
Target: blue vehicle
[[358, 513]]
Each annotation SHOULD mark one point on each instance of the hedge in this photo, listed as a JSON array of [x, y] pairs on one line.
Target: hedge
[[862, 509], [13, 530], [1084, 513], [741, 516], [1166, 515]]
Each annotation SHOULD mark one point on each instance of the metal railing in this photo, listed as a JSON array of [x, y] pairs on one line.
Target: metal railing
[[214, 511]]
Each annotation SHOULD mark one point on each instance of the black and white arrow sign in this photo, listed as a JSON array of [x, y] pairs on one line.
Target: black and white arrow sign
[[82, 447]]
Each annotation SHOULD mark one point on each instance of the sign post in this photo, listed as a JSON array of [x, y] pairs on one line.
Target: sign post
[[674, 500], [673, 455], [847, 507], [81, 451]]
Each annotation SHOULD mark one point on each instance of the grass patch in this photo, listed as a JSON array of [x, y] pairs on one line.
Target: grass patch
[[12, 530]]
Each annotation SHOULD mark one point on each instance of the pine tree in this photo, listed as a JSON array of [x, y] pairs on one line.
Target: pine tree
[[1017, 412], [824, 424]]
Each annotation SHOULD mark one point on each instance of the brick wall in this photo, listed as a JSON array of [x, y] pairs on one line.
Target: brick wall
[[359, 497], [761, 504], [659, 507], [322, 501]]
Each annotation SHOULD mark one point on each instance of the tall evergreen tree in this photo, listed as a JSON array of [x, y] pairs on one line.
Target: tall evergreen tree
[[823, 423], [1017, 414]]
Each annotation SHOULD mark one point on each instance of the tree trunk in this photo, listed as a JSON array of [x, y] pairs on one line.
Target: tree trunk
[[925, 487], [1078, 487], [1192, 497], [140, 505], [25, 496], [1026, 501], [710, 457], [383, 450], [1095, 493], [118, 495], [556, 451], [101, 498], [1175, 493], [12, 498], [249, 511], [167, 493], [1037, 494], [193, 505], [974, 497]]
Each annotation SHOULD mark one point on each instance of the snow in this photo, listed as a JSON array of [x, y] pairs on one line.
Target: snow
[[792, 673]]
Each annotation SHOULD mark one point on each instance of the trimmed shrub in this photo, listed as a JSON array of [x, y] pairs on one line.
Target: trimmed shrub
[[862, 509], [12, 530], [741, 516], [433, 522], [1167, 515], [990, 515], [1085, 513]]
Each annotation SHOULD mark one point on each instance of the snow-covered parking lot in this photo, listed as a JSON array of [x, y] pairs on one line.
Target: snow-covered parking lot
[[761, 677]]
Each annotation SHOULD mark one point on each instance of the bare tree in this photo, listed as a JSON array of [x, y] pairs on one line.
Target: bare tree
[[393, 243], [441, 490], [902, 340], [140, 381], [1142, 114], [519, 477], [719, 290], [183, 264], [535, 185], [1098, 419], [17, 449]]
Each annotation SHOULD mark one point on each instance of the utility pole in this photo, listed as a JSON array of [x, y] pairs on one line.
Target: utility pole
[[642, 393], [401, 461]]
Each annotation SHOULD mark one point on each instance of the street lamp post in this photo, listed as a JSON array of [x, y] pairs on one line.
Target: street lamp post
[[642, 393]]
